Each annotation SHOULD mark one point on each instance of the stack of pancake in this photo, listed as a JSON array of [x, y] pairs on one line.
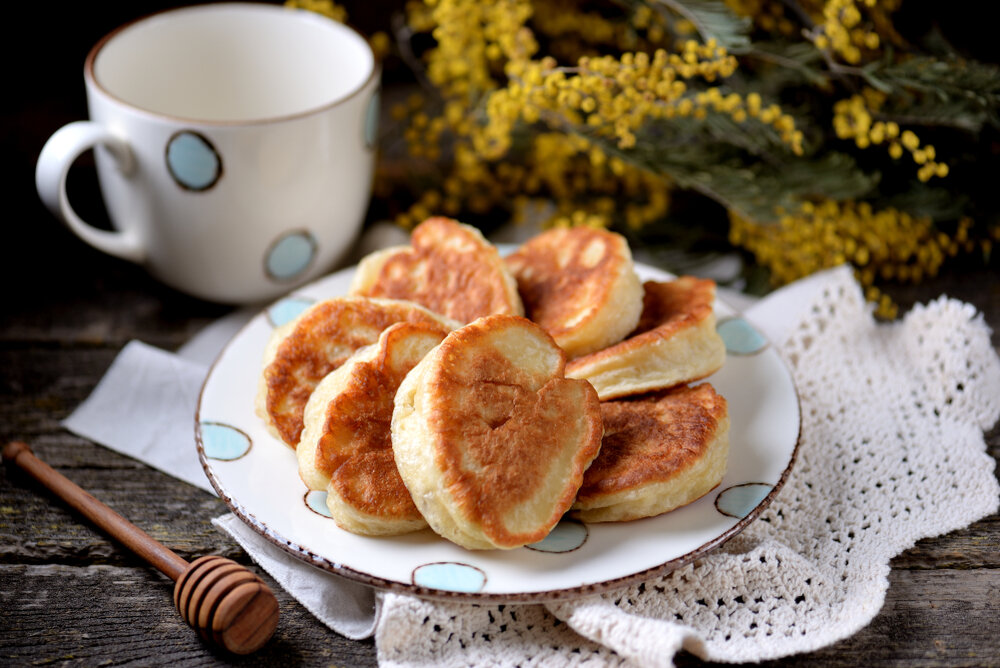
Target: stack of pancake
[[486, 397]]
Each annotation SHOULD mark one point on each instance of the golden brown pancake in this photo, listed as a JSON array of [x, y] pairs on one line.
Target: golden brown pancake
[[302, 352], [675, 343], [580, 286], [366, 496], [660, 452], [490, 438], [449, 268], [346, 447]]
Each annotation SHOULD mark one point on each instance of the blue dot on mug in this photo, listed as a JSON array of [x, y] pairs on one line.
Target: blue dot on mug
[[193, 161], [740, 337], [450, 576], [739, 500], [290, 255], [566, 536], [315, 501], [286, 310], [224, 442], [371, 121]]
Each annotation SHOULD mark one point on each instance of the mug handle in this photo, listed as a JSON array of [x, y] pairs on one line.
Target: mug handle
[[57, 156]]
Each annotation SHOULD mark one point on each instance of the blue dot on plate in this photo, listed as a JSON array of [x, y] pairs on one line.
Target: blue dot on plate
[[740, 337], [371, 121], [316, 501], [566, 536], [290, 255], [193, 161], [740, 500], [221, 441], [450, 576], [286, 310]]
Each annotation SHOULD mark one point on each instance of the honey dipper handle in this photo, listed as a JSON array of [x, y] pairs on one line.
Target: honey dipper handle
[[131, 536]]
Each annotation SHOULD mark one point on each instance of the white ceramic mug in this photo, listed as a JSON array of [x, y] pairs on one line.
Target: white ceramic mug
[[234, 143]]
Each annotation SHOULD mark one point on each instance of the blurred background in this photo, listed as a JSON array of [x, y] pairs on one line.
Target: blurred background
[[43, 263], [676, 221]]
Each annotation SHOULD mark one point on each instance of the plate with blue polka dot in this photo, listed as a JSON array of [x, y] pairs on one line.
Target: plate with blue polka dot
[[257, 476]]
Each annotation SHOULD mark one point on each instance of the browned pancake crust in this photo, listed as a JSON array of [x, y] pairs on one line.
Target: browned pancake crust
[[508, 428], [561, 272], [667, 308], [321, 341], [448, 270], [370, 483], [361, 414], [652, 439]]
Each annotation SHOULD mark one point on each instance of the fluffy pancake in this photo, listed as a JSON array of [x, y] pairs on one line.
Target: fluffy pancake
[[366, 496], [300, 353], [490, 438], [580, 286], [346, 448], [448, 267], [674, 343], [659, 452]]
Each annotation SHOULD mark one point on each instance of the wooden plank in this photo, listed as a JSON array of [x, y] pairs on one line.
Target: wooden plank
[[96, 614], [40, 386], [56, 613], [107, 303], [35, 527]]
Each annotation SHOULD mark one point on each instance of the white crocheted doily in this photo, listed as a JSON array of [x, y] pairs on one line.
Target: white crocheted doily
[[891, 451]]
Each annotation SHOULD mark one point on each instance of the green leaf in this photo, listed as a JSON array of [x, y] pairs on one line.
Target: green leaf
[[951, 92], [798, 57], [745, 167], [713, 19], [949, 113], [936, 203], [759, 190], [956, 77]]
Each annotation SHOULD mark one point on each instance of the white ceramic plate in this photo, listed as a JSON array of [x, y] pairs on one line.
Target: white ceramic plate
[[257, 476]]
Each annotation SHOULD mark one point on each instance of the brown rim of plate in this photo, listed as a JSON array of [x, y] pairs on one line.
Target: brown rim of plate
[[90, 76], [566, 593]]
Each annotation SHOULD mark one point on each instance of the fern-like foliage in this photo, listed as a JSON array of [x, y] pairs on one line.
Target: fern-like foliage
[[714, 20], [942, 91]]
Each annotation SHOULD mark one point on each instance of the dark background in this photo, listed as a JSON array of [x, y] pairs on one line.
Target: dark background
[[43, 262], [44, 48]]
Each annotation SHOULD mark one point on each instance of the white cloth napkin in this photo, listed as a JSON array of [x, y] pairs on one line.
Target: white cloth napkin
[[144, 407], [147, 385]]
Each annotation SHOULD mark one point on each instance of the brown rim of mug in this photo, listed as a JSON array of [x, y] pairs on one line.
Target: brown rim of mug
[[91, 77]]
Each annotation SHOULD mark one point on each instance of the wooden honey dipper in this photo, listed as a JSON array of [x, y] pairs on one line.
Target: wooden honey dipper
[[223, 601]]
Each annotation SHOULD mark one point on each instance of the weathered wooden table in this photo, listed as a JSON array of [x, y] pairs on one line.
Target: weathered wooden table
[[69, 594]]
